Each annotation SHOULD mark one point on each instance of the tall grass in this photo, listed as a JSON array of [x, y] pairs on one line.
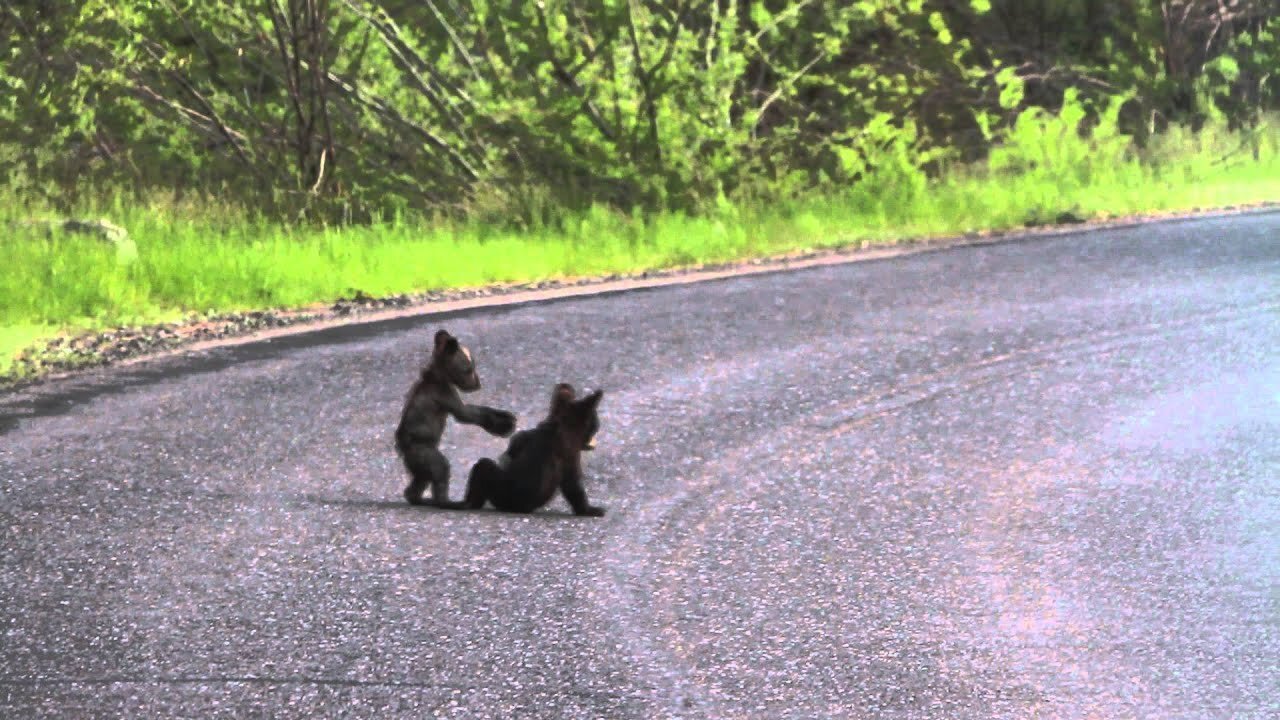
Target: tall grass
[[200, 256]]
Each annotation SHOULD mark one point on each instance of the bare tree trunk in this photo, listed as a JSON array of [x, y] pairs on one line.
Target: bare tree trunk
[[301, 31]]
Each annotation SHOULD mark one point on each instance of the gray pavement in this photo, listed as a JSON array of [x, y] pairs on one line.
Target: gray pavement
[[1031, 479]]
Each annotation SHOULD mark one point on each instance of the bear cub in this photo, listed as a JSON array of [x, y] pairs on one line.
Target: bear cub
[[542, 460], [434, 398]]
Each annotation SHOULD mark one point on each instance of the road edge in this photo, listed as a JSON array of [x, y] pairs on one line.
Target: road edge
[[315, 319]]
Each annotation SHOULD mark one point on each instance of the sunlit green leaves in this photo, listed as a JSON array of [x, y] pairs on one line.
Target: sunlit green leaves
[[1226, 67], [1012, 89], [467, 105], [939, 26]]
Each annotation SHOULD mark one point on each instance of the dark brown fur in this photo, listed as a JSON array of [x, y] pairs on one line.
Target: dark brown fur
[[434, 397], [542, 460]]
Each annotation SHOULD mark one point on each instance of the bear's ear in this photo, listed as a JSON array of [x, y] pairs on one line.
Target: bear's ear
[[446, 344], [561, 398], [589, 403]]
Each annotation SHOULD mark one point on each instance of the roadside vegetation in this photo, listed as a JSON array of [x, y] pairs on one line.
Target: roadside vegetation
[[291, 152]]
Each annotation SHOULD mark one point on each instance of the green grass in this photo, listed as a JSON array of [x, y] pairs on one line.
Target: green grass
[[18, 336], [196, 258]]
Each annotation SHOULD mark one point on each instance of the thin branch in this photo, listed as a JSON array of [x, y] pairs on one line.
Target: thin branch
[[651, 108], [288, 61], [319, 24], [315, 189], [569, 79], [409, 61], [457, 41], [784, 86], [385, 111], [669, 50], [777, 19], [210, 112]]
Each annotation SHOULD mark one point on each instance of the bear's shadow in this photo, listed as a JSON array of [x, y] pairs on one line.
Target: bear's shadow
[[399, 504], [367, 503]]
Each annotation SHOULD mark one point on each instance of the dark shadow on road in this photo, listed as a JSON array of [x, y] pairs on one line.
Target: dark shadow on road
[[364, 504], [401, 505], [543, 514]]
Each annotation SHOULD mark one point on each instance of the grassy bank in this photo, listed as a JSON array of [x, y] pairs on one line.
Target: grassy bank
[[195, 258]]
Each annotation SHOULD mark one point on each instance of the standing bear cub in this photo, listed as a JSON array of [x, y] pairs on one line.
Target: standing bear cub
[[432, 400], [540, 461]]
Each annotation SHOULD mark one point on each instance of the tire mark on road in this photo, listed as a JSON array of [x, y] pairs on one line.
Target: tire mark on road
[[969, 376], [702, 487]]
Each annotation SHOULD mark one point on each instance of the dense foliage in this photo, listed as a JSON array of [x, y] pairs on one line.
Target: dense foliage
[[351, 108]]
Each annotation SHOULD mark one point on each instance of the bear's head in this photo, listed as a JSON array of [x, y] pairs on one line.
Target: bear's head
[[454, 361], [576, 419]]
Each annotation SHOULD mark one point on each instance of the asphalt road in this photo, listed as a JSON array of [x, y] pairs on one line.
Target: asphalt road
[[1037, 479]]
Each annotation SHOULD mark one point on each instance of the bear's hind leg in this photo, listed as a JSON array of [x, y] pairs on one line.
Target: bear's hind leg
[[428, 468], [440, 483], [480, 483], [419, 480]]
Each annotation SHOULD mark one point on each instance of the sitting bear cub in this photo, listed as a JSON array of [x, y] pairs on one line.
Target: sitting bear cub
[[540, 461]]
